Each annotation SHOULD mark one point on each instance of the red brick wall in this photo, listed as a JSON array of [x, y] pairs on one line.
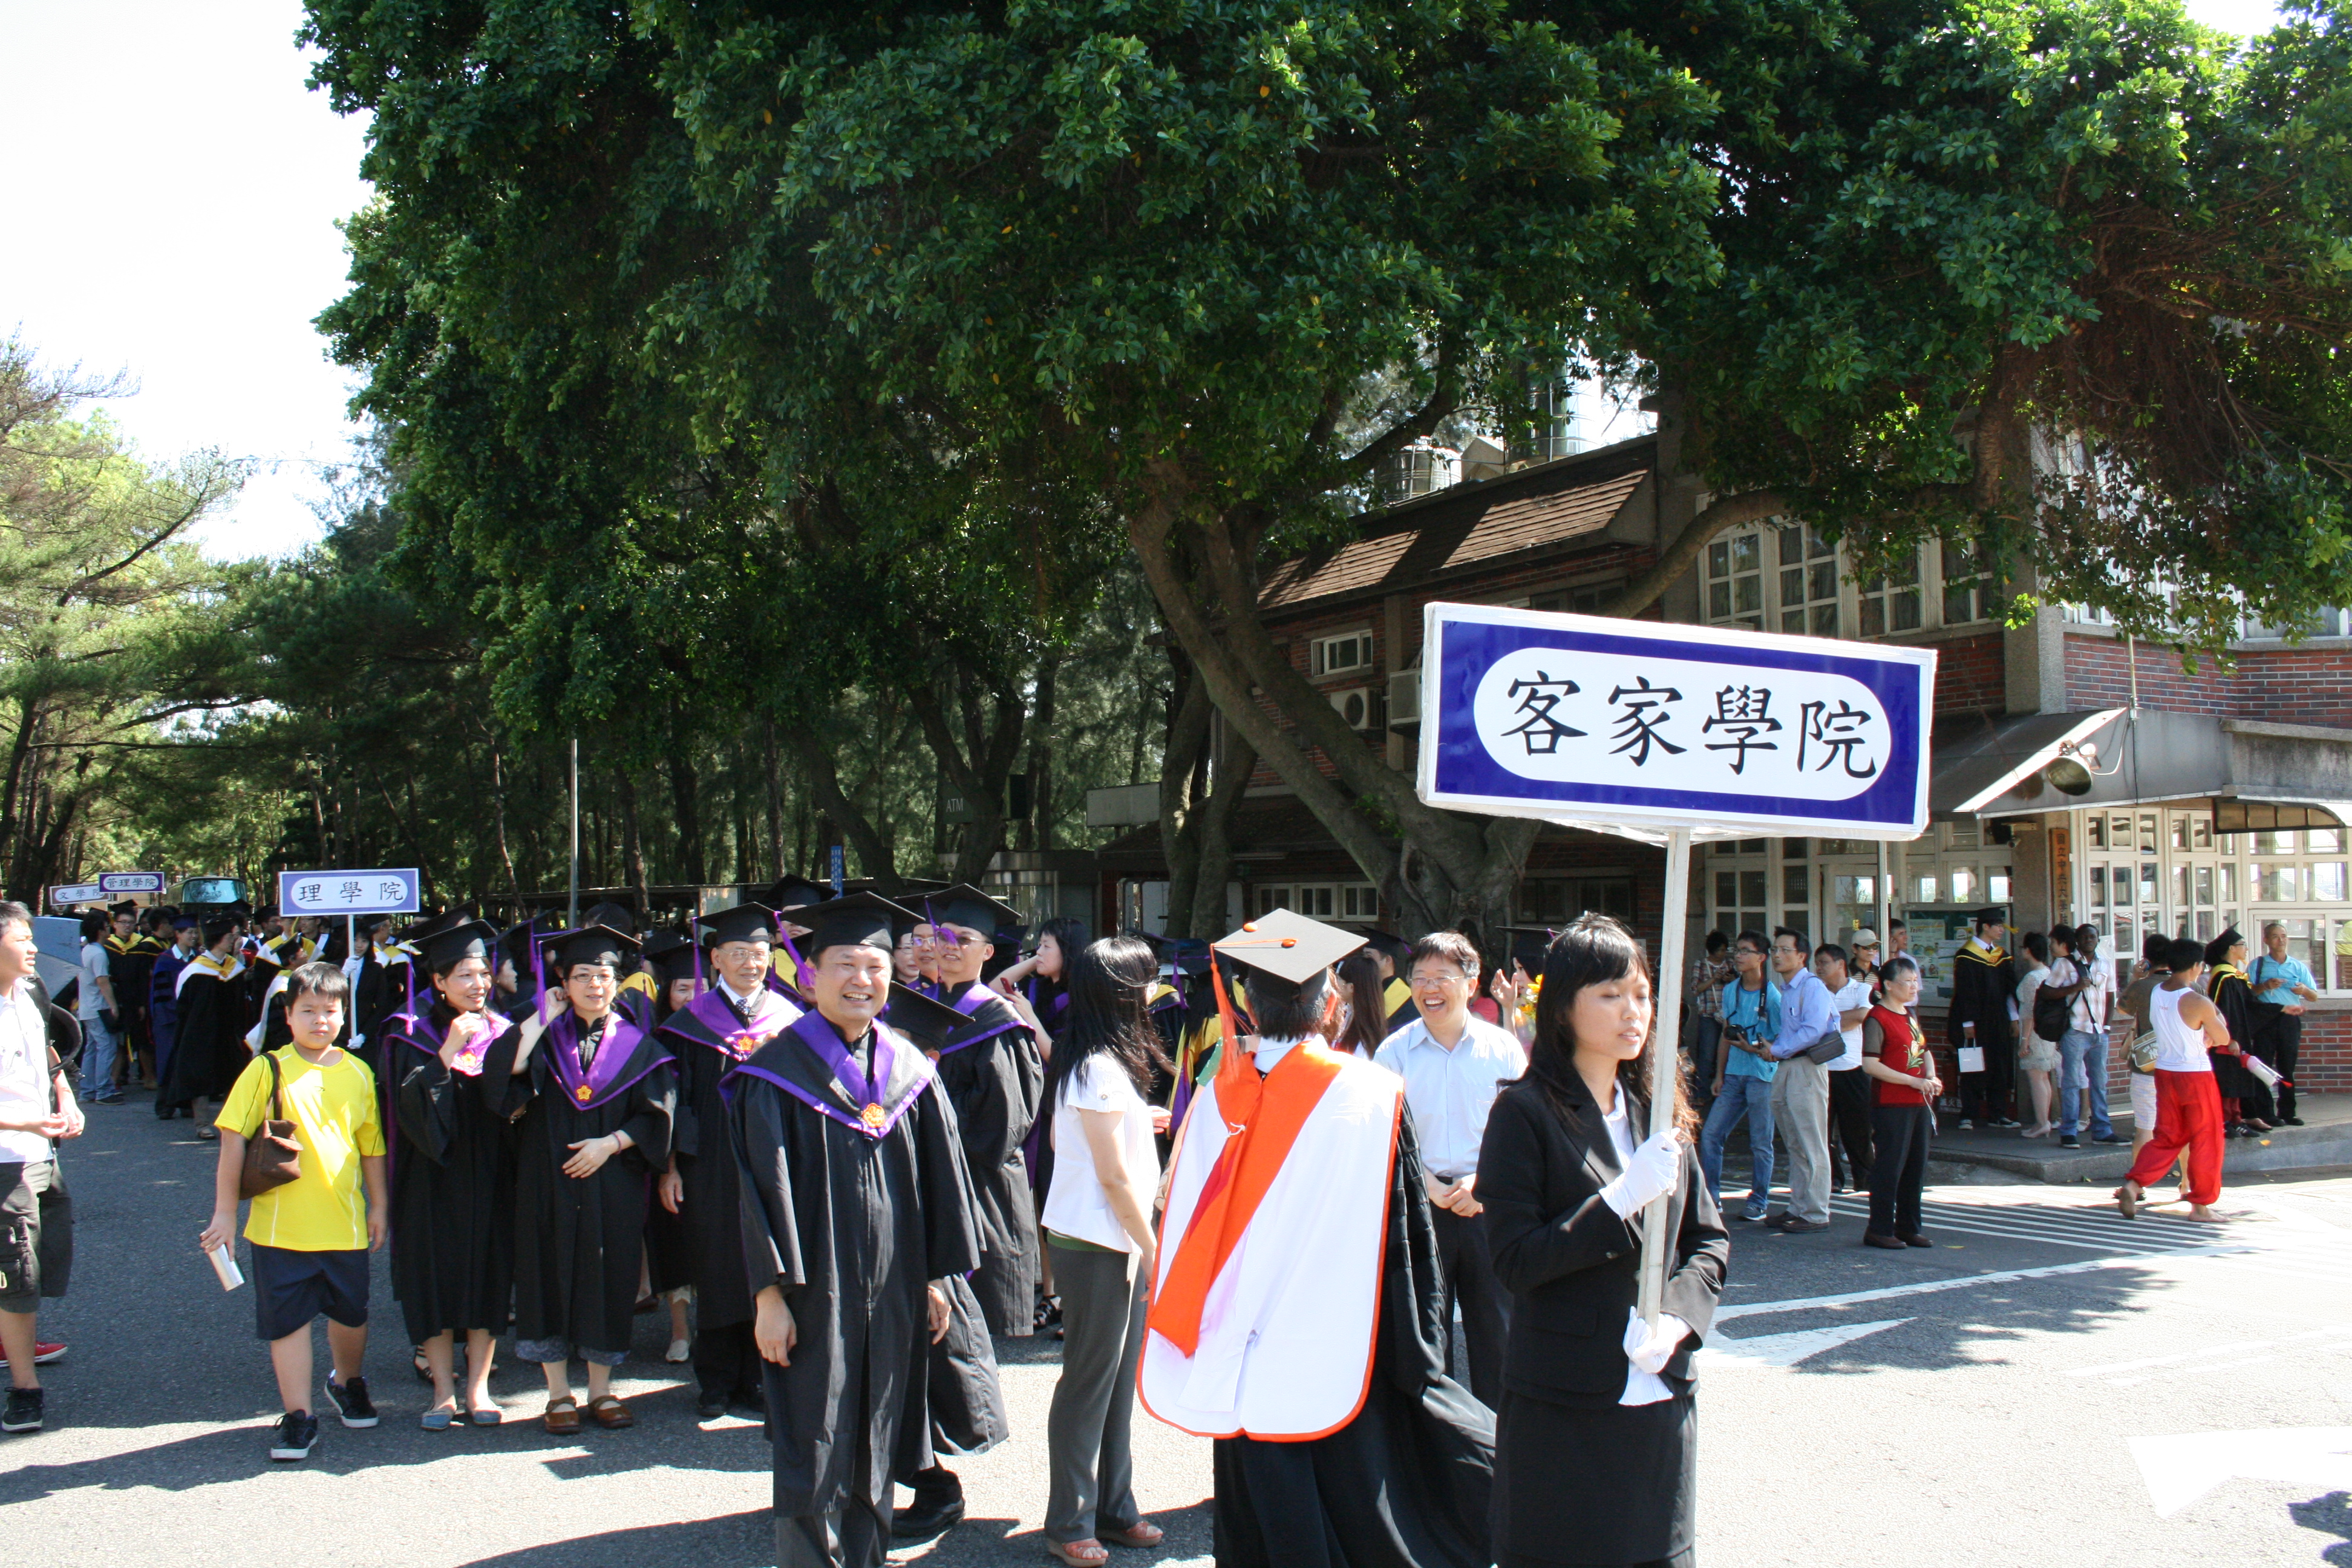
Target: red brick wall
[[2281, 684], [1971, 673]]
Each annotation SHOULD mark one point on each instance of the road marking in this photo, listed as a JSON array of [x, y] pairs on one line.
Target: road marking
[[2180, 1469], [1728, 1354], [1958, 1282], [2190, 1370], [2143, 1364]]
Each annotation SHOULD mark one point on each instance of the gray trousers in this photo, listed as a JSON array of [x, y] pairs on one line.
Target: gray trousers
[[1800, 1110], [1091, 1464]]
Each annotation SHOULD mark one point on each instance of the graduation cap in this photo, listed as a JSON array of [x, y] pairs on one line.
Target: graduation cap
[[1530, 943], [792, 890], [126, 907], [1394, 948], [672, 953], [367, 924], [218, 927], [744, 922], [447, 941], [1288, 945], [612, 916], [855, 920], [965, 905], [927, 1023], [590, 943], [514, 946]]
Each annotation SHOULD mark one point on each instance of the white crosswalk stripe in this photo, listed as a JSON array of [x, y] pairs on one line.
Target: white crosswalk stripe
[[2088, 1230]]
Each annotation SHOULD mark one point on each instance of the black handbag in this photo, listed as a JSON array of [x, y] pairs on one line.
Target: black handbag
[[273, 1155]]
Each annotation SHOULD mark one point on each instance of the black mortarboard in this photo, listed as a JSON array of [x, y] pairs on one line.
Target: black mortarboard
[[514, 946], [1530, 943], [793, 890], [927, 1023], [965, 905], [587, 944], [1398, 950], [365, 923], [126, 907], [447, 940], [218, 927], [672, 954], [744, 922], [612, 916], [859, 919], [1288, 946]]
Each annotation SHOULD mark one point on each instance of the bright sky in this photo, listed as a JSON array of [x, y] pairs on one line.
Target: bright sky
[[171, 211]]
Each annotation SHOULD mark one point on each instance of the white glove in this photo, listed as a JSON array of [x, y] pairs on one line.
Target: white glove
[[1645, 1352], [1653, 1172]]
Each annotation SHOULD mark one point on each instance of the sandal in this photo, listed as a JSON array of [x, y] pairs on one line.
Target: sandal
[[489, 1415], [1143, 1533], [207, 1131], [563, 1418], [1079, 1553], [439, 1417], [610, 1413], [424, 1368]]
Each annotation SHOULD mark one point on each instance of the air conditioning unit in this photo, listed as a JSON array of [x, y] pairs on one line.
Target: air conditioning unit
[[1355, 704], [1404, 700]]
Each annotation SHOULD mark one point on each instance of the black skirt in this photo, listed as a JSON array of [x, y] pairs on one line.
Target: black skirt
[[1595, 1485]]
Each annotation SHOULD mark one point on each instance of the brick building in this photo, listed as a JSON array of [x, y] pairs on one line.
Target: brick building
[[2205, 799]]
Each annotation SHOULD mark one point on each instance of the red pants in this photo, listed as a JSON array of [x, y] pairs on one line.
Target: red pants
[[2187, 1116]]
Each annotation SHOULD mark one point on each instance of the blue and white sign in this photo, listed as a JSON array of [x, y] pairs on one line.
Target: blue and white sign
[[1641, 726], [377, 892], [121, 883], [75, 893]]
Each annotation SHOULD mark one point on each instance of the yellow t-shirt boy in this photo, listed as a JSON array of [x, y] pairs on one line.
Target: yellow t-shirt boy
[[332, 1104]]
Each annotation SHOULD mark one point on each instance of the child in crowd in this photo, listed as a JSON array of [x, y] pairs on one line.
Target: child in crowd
[[311, 1235]]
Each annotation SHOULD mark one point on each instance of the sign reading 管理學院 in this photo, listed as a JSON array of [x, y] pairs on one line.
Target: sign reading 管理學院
[[1643, 725]]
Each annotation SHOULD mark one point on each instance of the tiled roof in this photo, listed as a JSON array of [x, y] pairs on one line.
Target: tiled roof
[[1498, 518]]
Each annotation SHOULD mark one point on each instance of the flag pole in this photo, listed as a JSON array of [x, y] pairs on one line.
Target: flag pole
[[1664, 1046]]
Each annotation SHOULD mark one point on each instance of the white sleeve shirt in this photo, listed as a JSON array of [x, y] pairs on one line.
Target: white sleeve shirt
[[23, 1072], [1856, 994], [1451, 1091]]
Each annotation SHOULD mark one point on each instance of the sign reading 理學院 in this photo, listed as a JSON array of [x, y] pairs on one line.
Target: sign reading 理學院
[[377, 892], [1639, 724]]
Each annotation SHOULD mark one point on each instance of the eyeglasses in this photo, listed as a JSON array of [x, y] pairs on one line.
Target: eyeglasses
[[1423, 978]]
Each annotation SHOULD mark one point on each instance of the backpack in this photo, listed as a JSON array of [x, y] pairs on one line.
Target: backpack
[[2053, 1015]]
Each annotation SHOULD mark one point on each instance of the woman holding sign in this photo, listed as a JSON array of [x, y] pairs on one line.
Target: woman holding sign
[[1596, 1442]]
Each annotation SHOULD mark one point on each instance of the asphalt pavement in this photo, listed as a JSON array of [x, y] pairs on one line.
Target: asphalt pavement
[[2049, 1383]]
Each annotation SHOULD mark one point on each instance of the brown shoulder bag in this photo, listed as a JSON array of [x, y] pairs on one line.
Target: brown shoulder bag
[[273, 1155]]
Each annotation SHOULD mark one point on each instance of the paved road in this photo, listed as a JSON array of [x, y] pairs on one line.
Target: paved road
[[1973, 1405]]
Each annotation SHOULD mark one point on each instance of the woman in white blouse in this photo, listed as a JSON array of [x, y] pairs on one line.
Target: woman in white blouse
[[1097, 1221]]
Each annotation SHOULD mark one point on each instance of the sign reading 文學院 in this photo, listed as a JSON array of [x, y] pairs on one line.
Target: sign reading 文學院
[[377, 892], [1643, 726]]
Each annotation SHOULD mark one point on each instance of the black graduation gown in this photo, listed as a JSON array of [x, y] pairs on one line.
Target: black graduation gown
[[578, 1241], [380, 991], [1406, 1483], [130, 965], [2233, 998], [707, 1233], [209, 1048], [453, 1188], [850, 1228], [994, 1077]]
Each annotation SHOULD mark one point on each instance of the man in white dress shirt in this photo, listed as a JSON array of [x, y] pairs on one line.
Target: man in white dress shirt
[[36, 1113], [1453, 1063]]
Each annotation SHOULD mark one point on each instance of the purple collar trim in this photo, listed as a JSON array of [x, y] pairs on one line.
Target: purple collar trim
[[603, 1081], [970, 1002], [736, 1042], [419, 1033], [874, 1118]]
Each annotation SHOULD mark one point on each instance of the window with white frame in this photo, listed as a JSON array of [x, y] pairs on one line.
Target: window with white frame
[[1272, 896], [1350, 653], [1358, 901], [1785, 577], [1809, 581]]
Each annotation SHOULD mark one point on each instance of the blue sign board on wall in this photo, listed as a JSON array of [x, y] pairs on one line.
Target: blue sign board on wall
[[1641, 727]]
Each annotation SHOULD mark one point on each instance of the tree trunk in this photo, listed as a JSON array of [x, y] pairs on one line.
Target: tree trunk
[[498, 805], [686, 807], [978, 762], [773, 861], [1182, 790], [1041, 755], [825, 788], [1210, 912]]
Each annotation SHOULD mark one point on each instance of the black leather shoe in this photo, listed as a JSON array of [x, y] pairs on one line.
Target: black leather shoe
[[925, 1523], [710, 1407], [1873, 1240]]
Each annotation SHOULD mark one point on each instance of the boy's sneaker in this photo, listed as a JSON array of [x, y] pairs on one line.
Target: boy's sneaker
[[24, 1411], [47, 1350], [297, 1430], [351, 1401]]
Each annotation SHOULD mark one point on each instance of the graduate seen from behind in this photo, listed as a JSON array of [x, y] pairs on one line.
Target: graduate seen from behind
[[453, 1189], [1296, 1313], [593, 1096], [310, 1236], [856, 1208], [1597, 1438]]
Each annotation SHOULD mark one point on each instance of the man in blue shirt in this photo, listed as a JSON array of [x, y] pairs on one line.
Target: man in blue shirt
[[1801, 1090], [2286, 983], [1743, 1075]]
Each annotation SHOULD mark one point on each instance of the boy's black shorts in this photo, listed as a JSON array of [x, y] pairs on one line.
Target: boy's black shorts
[[290, 1288]]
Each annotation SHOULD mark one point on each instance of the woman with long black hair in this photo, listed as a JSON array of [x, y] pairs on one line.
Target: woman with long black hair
[[1098, 1225], [1596, 1441], [1364, 1021]]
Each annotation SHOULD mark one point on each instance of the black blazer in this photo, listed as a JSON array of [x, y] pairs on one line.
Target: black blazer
[[1569, 1263]]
